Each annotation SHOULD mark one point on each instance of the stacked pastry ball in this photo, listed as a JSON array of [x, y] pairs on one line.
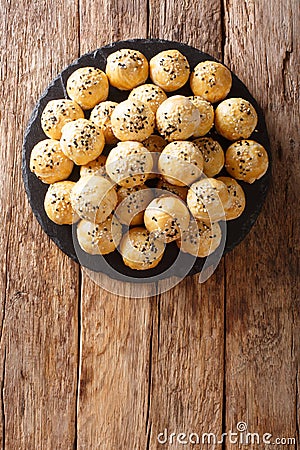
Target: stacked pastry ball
[[154, 135]]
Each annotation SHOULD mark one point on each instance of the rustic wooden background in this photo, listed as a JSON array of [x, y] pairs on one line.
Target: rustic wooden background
[[83, 369]]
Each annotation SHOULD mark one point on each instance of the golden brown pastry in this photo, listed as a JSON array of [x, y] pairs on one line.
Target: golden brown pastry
[[56, 114], [201, 239], [94, 198], [49, 163], [127, 69], [170, 70], [167, 217], [211, 81], [99, 238], [95, 167], [129, 164], [132, 203], [207, 114], [82, 141], [246, 160], [179, 191], [235, 118], [132, 121], [88, 86], [207, 200], [155, 144], [213, 155], [177, 118], [140, 249], [237, 200], [57, 203], [101, 116], [149, 94], [181, 163]]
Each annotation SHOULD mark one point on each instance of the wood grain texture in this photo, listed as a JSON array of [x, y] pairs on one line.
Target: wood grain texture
[[83, 368], [262, 315], [198, 24], [38, 283], [105, 21]]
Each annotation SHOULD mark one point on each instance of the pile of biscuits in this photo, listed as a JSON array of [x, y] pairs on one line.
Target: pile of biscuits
[[159, 179]]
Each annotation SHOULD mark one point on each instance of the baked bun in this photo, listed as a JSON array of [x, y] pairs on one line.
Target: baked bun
[[246, 160], [178, 191], [57, 203], [49, 163], [167, 217], [82, 141], [177, 118], [94, 198], [56, 114], [149, 94], [127, 69], [201, 239], [213, 155], [211, 80], [235, 118], [99, 238], [129, 164], [95, 167], [207, 114], [132, 121], [88, 86], [140, 249], [237, 200], [132, 203], [181, 163], [101, 116], [170, 70], [155, 144], [207, 200]]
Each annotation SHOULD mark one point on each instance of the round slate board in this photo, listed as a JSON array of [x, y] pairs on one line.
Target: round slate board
[[112, 264]]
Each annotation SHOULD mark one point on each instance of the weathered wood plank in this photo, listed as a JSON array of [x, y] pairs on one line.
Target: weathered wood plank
[[195, 23], [187, 361], [105, 21], [262, 343], [188, 339], [116, 343], [38, 284], [116, 331], [157, 363]]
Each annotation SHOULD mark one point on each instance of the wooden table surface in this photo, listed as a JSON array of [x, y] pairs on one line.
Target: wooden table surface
[[84, 369]]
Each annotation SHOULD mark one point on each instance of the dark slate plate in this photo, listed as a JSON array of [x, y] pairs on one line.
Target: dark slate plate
[[63, 236]]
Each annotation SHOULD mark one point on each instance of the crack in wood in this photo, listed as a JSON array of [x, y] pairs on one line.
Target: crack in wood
[[297, 409], [158, 323], [148, 422], [79, 26], [148, 12], [79, 299], [6, 279], [224, 358], [2, 400], [79, 357], [293, 356], [284, 72], [223, 9], [149, 437]]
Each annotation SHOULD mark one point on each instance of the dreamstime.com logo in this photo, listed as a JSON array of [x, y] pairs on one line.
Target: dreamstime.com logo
[[110, 272], [242, 436]]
